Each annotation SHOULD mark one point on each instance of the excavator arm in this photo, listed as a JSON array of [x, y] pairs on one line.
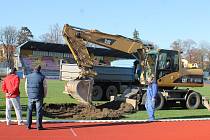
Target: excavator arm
[[76, 39], [117, 42], [77, 46]]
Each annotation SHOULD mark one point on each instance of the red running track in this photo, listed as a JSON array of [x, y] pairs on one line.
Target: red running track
[[177, 130]]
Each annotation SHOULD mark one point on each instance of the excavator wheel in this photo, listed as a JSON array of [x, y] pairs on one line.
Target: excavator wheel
[[160, 101], [81, 90], [193, 100]]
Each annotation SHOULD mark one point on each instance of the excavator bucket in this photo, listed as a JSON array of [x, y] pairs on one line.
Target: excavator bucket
[[81, 90]]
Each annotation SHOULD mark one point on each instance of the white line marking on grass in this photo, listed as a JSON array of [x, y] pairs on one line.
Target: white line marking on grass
[[73, 132]]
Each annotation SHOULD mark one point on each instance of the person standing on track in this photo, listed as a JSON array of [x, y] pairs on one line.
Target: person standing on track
[[150, 97], [36, 89], [10, 86]]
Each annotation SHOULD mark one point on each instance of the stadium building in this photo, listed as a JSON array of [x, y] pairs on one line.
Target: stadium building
[[50, 55]]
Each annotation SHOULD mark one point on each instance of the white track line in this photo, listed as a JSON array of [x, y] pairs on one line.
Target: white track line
[[73, 132], [107, 121]]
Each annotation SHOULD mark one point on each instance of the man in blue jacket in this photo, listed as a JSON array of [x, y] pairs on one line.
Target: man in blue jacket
[[36, 89], [150, 98]]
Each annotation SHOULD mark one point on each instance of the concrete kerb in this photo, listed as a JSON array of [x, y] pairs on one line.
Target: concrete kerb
[[113, 121]]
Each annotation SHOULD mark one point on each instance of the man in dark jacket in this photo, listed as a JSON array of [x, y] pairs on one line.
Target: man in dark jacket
[[36, 89]]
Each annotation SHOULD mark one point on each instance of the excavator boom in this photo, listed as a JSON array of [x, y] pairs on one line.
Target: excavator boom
[[75, 38]]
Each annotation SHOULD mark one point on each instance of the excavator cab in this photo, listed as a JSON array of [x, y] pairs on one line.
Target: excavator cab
[[168, 70], [167, 62]]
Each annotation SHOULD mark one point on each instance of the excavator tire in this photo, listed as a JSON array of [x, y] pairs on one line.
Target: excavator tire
[[159, 102], [193, 100], [111, 91], [81, 90], [97, 93]]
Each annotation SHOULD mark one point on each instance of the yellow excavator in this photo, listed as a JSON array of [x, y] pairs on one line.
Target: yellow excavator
[[166, 65]]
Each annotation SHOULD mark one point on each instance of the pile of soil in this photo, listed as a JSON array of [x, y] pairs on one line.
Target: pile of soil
[[109, 110]]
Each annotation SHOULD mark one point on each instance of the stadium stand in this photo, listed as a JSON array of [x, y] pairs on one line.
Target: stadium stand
[[49, 56]]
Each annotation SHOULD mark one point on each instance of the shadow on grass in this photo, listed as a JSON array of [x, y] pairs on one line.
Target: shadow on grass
[[172, 107], [24, 108], [13, 115]]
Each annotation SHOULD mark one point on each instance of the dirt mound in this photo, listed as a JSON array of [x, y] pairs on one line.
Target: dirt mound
[[109, 110]]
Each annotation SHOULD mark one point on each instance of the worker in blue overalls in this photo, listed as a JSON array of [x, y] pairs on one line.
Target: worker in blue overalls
[[150, 97]]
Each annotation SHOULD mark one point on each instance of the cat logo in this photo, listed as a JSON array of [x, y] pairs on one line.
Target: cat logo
[[106, 41]]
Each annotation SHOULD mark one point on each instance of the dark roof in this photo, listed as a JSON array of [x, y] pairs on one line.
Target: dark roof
[[62, 48], [42, 46]]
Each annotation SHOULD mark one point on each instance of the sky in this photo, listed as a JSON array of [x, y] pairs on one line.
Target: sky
[[158, 21]]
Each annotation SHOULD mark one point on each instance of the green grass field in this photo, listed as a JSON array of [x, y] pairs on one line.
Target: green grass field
[[56, 95]]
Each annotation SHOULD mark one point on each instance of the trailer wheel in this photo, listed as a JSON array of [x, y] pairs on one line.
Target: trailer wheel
[[193, 100], [97, 93], [111, 91], [160, 101]]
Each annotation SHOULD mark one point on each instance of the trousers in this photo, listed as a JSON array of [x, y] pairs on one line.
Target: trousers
[[150, 107], [15, 102], [35, 103]]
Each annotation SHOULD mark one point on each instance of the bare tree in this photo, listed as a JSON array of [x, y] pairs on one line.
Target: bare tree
[[184, 46], [8, 37], [196, 55], [205, 48], [54, 35], [177, 45], [194, 52], [189, 45]]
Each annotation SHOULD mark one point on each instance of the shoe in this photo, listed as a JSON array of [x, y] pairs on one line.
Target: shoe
[[9, 123], [151, 120], [41, 128], [28, 127], [21, 123]]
